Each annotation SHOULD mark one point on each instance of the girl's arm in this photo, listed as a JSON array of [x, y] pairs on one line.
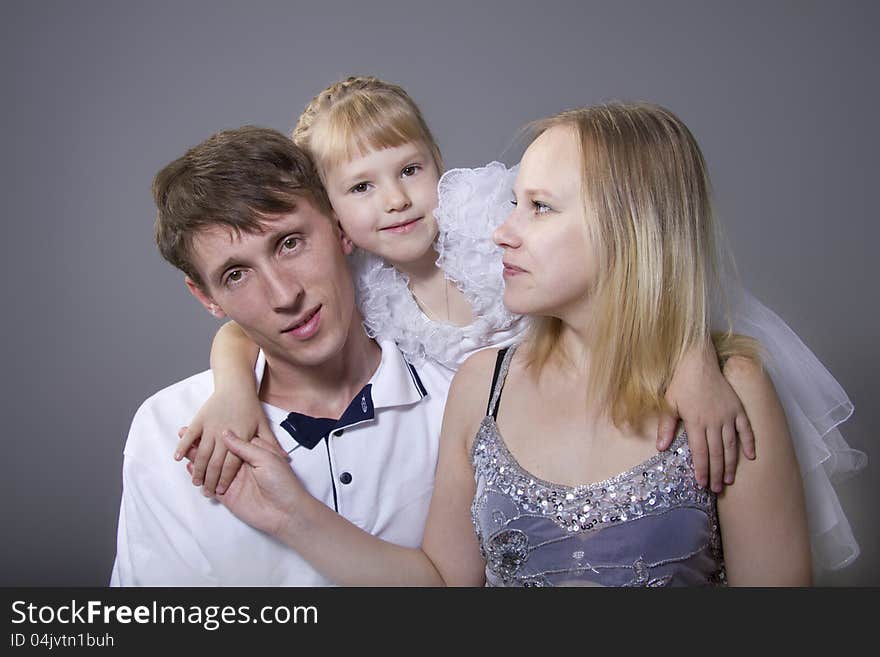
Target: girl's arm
[[762, 516], [713, 416], [267, 495], [235, 405]]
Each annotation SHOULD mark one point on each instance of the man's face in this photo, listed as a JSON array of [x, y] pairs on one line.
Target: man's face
[[288, 287]]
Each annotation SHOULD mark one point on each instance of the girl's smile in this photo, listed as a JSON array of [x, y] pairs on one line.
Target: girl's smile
[[385, 201]]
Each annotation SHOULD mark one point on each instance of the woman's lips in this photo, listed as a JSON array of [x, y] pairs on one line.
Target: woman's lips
[[307, 328], [512, 270]]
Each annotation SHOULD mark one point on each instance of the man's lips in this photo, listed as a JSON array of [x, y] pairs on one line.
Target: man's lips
[[307, 326], [402, 226]]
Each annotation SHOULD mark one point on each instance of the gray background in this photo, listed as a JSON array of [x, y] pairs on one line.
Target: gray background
[[97, 96]]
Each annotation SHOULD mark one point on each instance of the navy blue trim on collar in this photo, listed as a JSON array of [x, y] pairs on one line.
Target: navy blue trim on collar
[[309, 431], [417, 381]]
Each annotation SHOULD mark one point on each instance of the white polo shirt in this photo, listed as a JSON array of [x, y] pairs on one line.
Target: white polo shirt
[[377, 472]]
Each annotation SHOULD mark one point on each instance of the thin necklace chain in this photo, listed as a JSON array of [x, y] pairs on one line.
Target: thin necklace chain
[[430, 311]]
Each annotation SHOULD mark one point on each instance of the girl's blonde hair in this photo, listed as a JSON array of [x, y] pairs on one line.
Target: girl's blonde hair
[[645, 182], [359, 114]]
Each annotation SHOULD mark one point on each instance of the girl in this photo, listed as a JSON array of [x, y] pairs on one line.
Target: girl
[[432, 281], [610, 249]]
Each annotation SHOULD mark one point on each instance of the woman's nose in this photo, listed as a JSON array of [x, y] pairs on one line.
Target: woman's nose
[[506, 235]]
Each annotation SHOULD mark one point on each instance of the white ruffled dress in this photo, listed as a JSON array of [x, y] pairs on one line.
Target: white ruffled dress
[[472, 203]]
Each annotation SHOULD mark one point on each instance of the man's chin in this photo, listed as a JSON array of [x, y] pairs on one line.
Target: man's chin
[[308, 353]]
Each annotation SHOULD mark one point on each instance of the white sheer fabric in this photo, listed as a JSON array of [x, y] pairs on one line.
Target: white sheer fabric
[[815, 405]]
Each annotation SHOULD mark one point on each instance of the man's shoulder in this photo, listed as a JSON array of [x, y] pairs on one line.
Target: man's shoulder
[[160, 416], [182, 392]]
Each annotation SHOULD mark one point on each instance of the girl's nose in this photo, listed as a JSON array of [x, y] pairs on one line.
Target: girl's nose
[[396, 199]]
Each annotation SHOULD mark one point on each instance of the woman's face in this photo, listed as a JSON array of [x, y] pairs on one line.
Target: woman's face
[[549, 257]]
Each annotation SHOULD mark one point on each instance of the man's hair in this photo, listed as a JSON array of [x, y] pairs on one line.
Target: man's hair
[[235, 178]]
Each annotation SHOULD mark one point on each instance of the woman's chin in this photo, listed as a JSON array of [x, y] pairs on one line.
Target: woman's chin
[[518, 306]]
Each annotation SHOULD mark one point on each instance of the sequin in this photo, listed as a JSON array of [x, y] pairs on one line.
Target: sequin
[[662, 484], [507, 550]]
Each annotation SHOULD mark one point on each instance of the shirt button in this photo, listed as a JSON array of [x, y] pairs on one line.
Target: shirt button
[[338, 432], [345, 477]]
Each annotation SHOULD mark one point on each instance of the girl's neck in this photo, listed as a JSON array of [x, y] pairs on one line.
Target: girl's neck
[[438, 297], [423, 271]]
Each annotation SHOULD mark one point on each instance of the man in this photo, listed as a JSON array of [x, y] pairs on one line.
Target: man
[[244, 216]]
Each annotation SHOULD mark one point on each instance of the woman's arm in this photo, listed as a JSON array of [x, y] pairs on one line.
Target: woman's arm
[[762, 516], [267, 495]]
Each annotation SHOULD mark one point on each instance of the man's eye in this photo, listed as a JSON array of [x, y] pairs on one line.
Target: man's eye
[[290, 243], [234, 276], [360, 188], [410, 170]]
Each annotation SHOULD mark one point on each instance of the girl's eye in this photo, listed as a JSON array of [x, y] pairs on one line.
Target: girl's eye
[[513, 202], [410, 170], [290, 243], [360, 188]]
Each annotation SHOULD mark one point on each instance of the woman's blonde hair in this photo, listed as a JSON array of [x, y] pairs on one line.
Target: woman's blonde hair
[[645, 182], [359, 114]]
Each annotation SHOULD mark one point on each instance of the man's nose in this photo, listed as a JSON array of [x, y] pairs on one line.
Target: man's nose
[[284, 291], [396, 198]]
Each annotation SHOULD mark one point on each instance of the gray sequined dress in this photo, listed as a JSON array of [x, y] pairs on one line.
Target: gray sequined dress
[[649, 526]]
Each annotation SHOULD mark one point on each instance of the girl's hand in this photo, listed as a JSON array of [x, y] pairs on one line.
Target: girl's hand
[[713, 417], [213, 467], [265, 493]]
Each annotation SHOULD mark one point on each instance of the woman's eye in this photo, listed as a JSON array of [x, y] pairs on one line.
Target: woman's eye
[[541, 208], [409, 171], [360, 188]]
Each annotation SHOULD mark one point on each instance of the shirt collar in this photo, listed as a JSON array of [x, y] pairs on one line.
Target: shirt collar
[[394, 383]]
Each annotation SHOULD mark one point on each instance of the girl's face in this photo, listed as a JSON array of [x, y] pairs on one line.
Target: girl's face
[[549, 256], [385, 201]]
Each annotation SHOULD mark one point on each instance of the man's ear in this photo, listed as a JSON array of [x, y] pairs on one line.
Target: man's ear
[[204, 299], [344, 239]]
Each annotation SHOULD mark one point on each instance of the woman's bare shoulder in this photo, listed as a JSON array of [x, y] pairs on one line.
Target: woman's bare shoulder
[[752, 384], [469, 395], [473, 379]]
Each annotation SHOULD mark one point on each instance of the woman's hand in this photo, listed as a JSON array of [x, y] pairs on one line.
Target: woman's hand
[[265, 492]]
